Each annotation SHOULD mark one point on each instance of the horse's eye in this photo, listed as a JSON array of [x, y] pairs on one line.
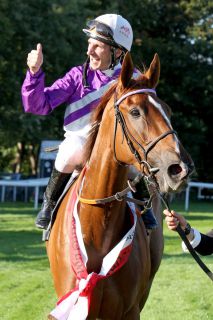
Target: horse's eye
[[135, 113]]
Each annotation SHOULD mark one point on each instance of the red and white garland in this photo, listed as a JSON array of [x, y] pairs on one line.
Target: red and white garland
[[75, 304]]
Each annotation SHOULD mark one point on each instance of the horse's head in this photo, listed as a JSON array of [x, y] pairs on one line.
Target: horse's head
[[144, 136]]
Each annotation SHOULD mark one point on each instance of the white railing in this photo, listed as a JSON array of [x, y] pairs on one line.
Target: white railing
[[28, 183], [199, 186]]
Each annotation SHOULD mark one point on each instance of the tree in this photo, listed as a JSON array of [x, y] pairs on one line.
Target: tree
[[58, 26], [180, 31], [182, 34]]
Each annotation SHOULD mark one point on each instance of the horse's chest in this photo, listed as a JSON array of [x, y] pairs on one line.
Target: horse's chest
[[126, 287]]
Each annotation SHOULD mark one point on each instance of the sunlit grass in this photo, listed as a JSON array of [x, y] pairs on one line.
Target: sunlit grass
[[181, 290], [26, 288]]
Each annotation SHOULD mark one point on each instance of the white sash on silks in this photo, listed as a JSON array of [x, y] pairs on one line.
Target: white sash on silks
[[75, 304]]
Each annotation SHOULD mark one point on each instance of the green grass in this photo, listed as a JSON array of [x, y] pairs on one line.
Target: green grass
[[26, 288], [181, 290]]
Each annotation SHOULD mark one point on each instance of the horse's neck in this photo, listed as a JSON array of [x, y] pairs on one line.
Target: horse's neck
[[102, 226]]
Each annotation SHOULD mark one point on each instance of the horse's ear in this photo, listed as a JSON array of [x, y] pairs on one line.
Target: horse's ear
[[153, 73], [126, 71]]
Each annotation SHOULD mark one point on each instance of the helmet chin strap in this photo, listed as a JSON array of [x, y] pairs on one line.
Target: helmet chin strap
[[85, 68], [115, 60]]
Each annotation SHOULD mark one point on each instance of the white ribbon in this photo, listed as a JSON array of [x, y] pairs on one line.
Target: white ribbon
[[74, 306]]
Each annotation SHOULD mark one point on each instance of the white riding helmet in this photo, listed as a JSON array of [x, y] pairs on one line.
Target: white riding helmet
[[112, 29]]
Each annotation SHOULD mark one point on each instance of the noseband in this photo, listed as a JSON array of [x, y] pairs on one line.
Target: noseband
[[150, 177], [119, 118]]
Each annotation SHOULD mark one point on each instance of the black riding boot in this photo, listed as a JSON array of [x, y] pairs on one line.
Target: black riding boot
[[148, 217], [55, 187]]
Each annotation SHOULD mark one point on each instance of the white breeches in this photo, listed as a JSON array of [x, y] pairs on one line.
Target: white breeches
[[70, 153]]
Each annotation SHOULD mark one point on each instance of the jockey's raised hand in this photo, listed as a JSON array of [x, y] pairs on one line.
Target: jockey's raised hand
[[35, 59]]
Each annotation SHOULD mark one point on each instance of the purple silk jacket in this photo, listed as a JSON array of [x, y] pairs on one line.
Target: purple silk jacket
[[80, 101]]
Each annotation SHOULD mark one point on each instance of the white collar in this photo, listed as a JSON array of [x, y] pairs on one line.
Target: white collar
[[110, 72]]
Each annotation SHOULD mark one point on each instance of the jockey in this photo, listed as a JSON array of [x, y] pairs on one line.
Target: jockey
[[110, 36]]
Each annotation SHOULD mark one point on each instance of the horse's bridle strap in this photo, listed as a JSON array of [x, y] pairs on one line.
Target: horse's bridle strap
[[119, 196], [131, 93], [119, 118]]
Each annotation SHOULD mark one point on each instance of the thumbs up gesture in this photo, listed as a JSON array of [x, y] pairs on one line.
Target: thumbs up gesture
[[35, 59]]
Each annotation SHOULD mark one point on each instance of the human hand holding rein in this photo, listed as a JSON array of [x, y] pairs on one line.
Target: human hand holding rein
[[173, 219]]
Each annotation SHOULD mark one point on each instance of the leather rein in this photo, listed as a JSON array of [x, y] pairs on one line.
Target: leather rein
[[148, 176], [119, 118]]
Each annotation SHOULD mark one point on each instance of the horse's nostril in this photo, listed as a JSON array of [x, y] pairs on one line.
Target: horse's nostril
[[174, 169]]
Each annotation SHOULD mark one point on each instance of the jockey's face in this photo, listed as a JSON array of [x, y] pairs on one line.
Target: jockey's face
[[99, 53]]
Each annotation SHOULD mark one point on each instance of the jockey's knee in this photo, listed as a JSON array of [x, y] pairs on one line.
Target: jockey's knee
[[67, 161], [67, 164]]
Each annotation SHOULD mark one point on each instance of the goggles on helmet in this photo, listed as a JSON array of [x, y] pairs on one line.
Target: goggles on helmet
[[101, 32], [101, 28]]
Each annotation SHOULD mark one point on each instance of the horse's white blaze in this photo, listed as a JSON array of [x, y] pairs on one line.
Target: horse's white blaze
[[159, 107]]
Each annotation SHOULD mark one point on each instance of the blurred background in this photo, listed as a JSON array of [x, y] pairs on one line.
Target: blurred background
[[181, 32]]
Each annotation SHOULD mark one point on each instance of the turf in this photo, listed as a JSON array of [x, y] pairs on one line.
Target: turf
[[181, 290]]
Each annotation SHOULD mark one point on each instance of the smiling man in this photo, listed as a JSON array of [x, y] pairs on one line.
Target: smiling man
[[110, 36]]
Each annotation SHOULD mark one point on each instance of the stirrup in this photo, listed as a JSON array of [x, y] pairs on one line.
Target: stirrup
[[42, 223]]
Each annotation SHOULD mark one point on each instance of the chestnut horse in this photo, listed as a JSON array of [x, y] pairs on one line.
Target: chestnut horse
[[132, 127]]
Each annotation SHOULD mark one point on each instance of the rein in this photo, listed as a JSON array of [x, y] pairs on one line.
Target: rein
[[187, 243], [120, 196], [150, 178]]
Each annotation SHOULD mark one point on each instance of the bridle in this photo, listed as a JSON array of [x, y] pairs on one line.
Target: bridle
[[119, 118], [149, 175], [150, 178]]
